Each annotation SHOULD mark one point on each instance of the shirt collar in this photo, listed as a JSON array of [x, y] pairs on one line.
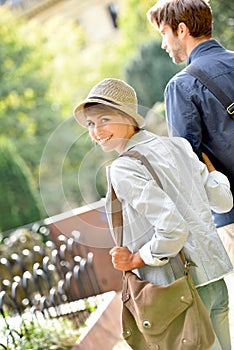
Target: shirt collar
[[202, 49], [142, 136]]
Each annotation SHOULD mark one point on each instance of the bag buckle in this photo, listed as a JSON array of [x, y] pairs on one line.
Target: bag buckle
[[187, 266], [230, 109], [125, 297]]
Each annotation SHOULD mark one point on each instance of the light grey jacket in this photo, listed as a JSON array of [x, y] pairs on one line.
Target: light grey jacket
[[159, 222]]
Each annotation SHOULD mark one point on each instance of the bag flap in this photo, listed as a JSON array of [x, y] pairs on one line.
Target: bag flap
[[153, 306]]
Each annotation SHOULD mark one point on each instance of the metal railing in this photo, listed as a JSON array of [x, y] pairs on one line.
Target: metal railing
[[62, 276], [51, 284]]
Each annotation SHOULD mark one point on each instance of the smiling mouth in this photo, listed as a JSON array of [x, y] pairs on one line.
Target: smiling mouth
[[102, 141]]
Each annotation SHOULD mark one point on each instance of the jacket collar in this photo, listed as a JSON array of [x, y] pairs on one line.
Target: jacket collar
[[204, 48], [141, 137]]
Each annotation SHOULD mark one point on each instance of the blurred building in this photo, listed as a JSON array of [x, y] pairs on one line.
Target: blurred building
[[98, 18]]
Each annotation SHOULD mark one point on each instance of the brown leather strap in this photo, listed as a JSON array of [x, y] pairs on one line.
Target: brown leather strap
[[145, 162], [116, 211], [117, 219], [182, 256]]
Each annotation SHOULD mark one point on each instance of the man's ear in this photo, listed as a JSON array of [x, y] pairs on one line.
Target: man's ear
[[182, 30]]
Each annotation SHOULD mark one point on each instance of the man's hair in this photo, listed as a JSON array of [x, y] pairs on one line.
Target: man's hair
[[195, 14]]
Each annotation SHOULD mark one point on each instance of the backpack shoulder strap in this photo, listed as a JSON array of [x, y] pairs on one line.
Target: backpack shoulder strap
[[213, 87]]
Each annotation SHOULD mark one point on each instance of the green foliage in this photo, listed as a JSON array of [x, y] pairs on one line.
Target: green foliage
[[46, 70], [134, 29], [64, 43], [27, 113], [18, 200], [37, 87], [223, 22], [133, 21], [149, 72], [48, 335]]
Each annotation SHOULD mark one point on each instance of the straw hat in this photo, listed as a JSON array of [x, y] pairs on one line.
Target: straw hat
[[114, 93]]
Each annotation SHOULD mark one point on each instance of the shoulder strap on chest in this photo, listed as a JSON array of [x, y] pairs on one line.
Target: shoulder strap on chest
[[145, 162], [213, 87], [117, 219]]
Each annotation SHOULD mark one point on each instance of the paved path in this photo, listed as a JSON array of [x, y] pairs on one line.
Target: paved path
[[121, 345]]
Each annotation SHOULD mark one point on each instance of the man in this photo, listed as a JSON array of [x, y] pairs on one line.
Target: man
[[192, 111]]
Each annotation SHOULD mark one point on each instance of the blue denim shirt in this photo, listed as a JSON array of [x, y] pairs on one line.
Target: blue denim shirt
[[194, 113]]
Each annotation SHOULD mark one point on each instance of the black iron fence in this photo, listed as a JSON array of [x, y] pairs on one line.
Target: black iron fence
[[50, 281]]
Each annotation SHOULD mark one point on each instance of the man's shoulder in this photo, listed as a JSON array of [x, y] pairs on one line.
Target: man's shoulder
[[181, 80], [217, 69]]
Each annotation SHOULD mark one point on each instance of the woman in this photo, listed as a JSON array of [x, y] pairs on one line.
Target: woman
[[158, 223]]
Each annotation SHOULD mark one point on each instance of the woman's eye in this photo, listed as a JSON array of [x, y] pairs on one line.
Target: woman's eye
[[105, 120], [90, 124]]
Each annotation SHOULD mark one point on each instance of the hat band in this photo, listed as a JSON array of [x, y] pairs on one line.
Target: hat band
[[104, 99]]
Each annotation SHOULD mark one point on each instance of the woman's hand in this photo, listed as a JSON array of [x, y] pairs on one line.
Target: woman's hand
[[124, 260]]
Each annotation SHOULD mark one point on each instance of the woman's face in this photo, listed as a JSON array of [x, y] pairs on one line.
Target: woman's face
[[110, 131]]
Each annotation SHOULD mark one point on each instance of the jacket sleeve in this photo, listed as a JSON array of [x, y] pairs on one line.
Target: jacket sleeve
[[183, 117], [137, 188], [217, 185], [218, 190]]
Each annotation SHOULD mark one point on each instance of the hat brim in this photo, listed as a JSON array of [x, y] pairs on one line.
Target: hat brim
[[80, 116]]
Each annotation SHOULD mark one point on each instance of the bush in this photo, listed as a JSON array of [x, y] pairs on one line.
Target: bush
[[18, 200], [149, 72]]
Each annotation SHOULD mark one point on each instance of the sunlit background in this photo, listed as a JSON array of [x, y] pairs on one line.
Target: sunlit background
[[51, 53], [54, 238]]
